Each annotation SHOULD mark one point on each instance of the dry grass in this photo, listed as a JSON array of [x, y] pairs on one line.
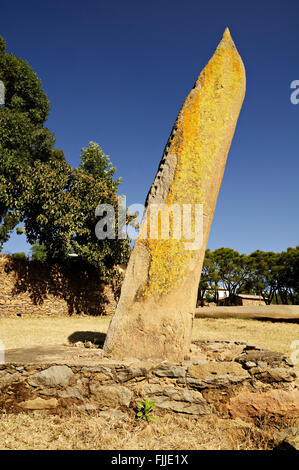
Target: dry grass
[[170, 432], [276, 336], [39, 331], [26, 332]]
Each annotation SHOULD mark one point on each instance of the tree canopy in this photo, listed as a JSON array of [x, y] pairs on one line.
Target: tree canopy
[[55, 203], [60, 207], [23, 138], [274, 276]]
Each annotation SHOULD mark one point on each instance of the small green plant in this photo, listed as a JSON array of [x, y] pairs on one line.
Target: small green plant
[[146, 410]]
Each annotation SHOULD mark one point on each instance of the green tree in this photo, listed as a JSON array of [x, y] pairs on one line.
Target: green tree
[[209, 279], [38, 252], [232, 269], [19, 255], [38, 188], [274, 276], [23, 137], [288, 285], [60, 205], [265, 273]]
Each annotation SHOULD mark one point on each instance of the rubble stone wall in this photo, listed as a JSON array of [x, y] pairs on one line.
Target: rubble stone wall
[[227, 378], [32, 287]]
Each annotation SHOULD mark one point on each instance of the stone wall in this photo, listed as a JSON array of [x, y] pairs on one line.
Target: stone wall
[[32, 287], [226, 378], [238, 301], [252, 302]]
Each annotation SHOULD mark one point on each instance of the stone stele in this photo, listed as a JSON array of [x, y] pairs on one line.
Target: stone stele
[[154, 315]]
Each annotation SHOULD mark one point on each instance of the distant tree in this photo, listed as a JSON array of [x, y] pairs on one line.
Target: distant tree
[[274, 276], [265, 269], [19, 255], [232, 269], [38, 252], [208, 286], [288, 282]]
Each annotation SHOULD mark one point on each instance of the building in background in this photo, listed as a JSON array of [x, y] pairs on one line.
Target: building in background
[[242, 299]]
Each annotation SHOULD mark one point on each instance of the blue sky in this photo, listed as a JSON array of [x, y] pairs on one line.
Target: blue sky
[[118, 72]]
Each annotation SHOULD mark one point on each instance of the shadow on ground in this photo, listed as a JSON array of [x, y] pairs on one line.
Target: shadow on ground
[[95, 337]]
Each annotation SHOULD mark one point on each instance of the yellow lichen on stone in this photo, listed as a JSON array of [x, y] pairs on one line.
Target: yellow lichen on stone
[[200, 134]]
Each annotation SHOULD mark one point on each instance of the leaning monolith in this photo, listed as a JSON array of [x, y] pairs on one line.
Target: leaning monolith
[[154, 315]]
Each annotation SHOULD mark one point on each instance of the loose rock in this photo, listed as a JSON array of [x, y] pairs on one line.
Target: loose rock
[[39, 404], [52, 377], [279, 403]]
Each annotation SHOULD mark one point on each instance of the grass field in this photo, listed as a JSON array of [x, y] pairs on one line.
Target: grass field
[[172, 432], [38, 331]]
